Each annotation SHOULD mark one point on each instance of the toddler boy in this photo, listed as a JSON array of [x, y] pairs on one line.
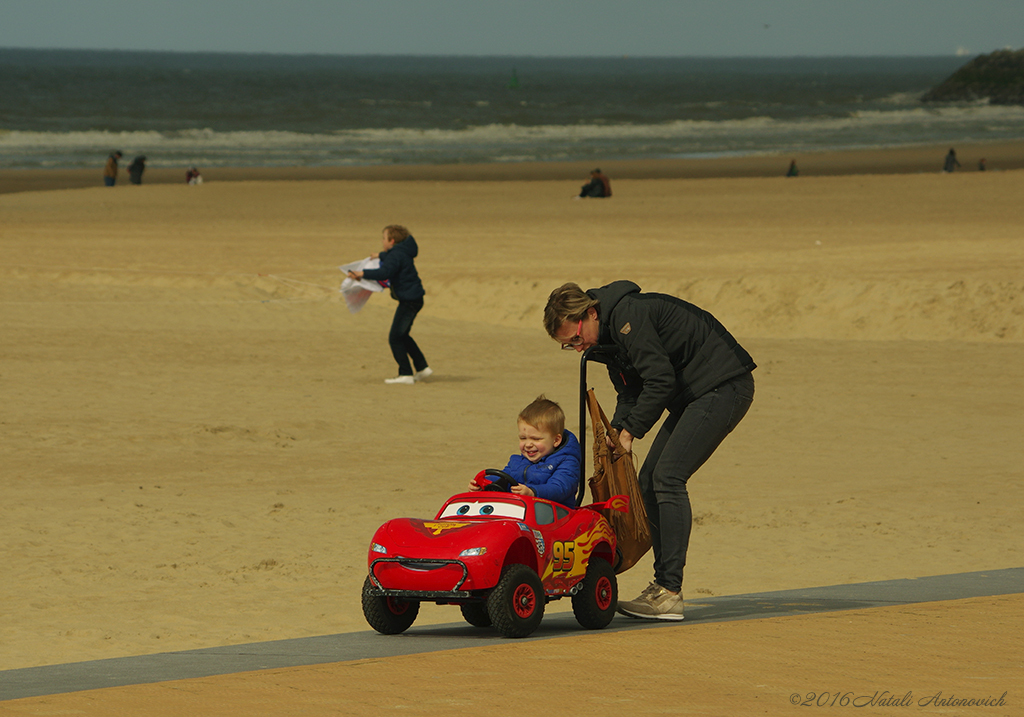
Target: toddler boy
[[548, 464]]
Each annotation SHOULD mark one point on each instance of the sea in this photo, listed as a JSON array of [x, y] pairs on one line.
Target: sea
[[70, 108]]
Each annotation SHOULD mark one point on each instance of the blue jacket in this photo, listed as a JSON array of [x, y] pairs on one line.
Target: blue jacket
[[556, 476], [397, 268]]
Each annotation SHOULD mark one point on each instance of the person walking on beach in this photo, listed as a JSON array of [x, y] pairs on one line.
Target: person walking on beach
[[792, 171], [399, 250], [951, 162], [110, 169], [598, 187], [666, 355], [136, 168]]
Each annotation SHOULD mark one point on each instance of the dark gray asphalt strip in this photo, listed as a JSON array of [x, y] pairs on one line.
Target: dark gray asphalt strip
[[144, 669]]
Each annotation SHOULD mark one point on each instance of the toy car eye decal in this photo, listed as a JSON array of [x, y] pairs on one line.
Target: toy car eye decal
[[503, 510], [458, 509], [484, 509]]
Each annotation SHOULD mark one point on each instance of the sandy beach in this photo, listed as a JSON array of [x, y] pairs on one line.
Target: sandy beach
[[199, 444]]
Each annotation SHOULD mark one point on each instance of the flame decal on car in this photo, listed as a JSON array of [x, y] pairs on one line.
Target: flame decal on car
[[563, 573]]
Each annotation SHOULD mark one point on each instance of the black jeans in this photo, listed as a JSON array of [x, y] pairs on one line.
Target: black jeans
[[685, 442], [402, 346]]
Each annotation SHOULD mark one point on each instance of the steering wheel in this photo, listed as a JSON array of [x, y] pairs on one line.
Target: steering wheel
[[503, 483]]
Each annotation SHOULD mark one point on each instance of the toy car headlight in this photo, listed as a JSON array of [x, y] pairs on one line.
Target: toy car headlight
[[470, 552], [378, 548]]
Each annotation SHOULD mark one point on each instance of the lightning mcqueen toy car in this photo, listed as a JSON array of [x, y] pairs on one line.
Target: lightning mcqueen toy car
[[499, 556]]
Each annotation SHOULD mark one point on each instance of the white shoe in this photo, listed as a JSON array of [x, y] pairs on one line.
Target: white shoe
[[654, 603], [401, 379], [425, 373]]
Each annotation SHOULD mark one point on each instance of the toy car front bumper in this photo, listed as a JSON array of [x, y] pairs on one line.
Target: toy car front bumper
[[419, 577]]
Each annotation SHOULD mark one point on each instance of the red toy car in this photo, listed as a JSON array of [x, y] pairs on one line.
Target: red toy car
[[499, 556]]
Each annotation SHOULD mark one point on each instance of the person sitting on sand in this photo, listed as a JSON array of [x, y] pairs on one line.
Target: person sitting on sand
[[192, 176], [397, 268], [548, 463], [598, 187]]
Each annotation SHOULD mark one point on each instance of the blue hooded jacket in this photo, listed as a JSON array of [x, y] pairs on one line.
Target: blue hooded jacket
[[397, 268], [556, 476]]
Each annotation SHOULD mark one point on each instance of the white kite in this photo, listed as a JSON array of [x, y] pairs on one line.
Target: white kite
[[357, 291]]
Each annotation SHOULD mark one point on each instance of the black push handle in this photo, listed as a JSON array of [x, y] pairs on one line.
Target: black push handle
[[589, 354]]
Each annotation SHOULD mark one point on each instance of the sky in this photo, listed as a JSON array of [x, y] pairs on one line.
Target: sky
[[553, 28]]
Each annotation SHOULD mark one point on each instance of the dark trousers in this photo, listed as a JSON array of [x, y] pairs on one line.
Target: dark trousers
[[402, 346], [685, 442]]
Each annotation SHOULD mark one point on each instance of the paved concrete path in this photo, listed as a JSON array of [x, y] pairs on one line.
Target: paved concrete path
[[146, 669]]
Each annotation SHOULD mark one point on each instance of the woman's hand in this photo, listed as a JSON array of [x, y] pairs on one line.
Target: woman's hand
[[625, 440], [355, 275]]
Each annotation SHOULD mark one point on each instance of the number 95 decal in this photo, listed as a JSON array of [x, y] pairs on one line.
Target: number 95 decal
[[563, 556]]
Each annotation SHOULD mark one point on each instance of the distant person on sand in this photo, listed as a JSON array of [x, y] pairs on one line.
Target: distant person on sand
[[598, 187], [951, 161], [192, 176], [398, 269], [110, 169], [136, 168], [792, 171], [981, 165]]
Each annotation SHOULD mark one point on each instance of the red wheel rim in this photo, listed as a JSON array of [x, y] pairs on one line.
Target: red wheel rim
[[524, 601], [603, 593], [396, 606]]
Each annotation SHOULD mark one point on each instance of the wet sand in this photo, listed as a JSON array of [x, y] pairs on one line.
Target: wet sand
[[999, 156]]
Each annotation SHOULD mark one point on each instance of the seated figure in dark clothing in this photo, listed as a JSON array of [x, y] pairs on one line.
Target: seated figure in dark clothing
[[598, 187]]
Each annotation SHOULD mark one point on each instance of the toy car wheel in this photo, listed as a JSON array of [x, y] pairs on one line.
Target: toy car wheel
[[594, 605], [476, 614], [516, 605], [388, 615]]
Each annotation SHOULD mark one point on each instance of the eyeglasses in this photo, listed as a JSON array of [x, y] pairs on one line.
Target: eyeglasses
[[576, 340]]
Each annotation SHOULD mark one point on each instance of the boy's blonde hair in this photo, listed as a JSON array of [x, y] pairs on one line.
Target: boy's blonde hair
[[396, 232], [545, 415]]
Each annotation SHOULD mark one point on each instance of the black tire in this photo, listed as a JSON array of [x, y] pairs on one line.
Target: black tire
[[516, 605], [388, 615], [475, 614], [594, 605]]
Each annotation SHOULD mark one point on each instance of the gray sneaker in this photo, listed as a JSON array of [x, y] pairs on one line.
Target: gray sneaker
[[654, 603]]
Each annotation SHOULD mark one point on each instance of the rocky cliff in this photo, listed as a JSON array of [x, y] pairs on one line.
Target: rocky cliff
[[998, 77]]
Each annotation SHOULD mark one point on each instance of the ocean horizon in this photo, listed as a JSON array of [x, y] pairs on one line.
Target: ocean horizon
[[69, 108]]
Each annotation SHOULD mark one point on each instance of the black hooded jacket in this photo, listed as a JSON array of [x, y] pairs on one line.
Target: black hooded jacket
[[668, 352], [397, 267]]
